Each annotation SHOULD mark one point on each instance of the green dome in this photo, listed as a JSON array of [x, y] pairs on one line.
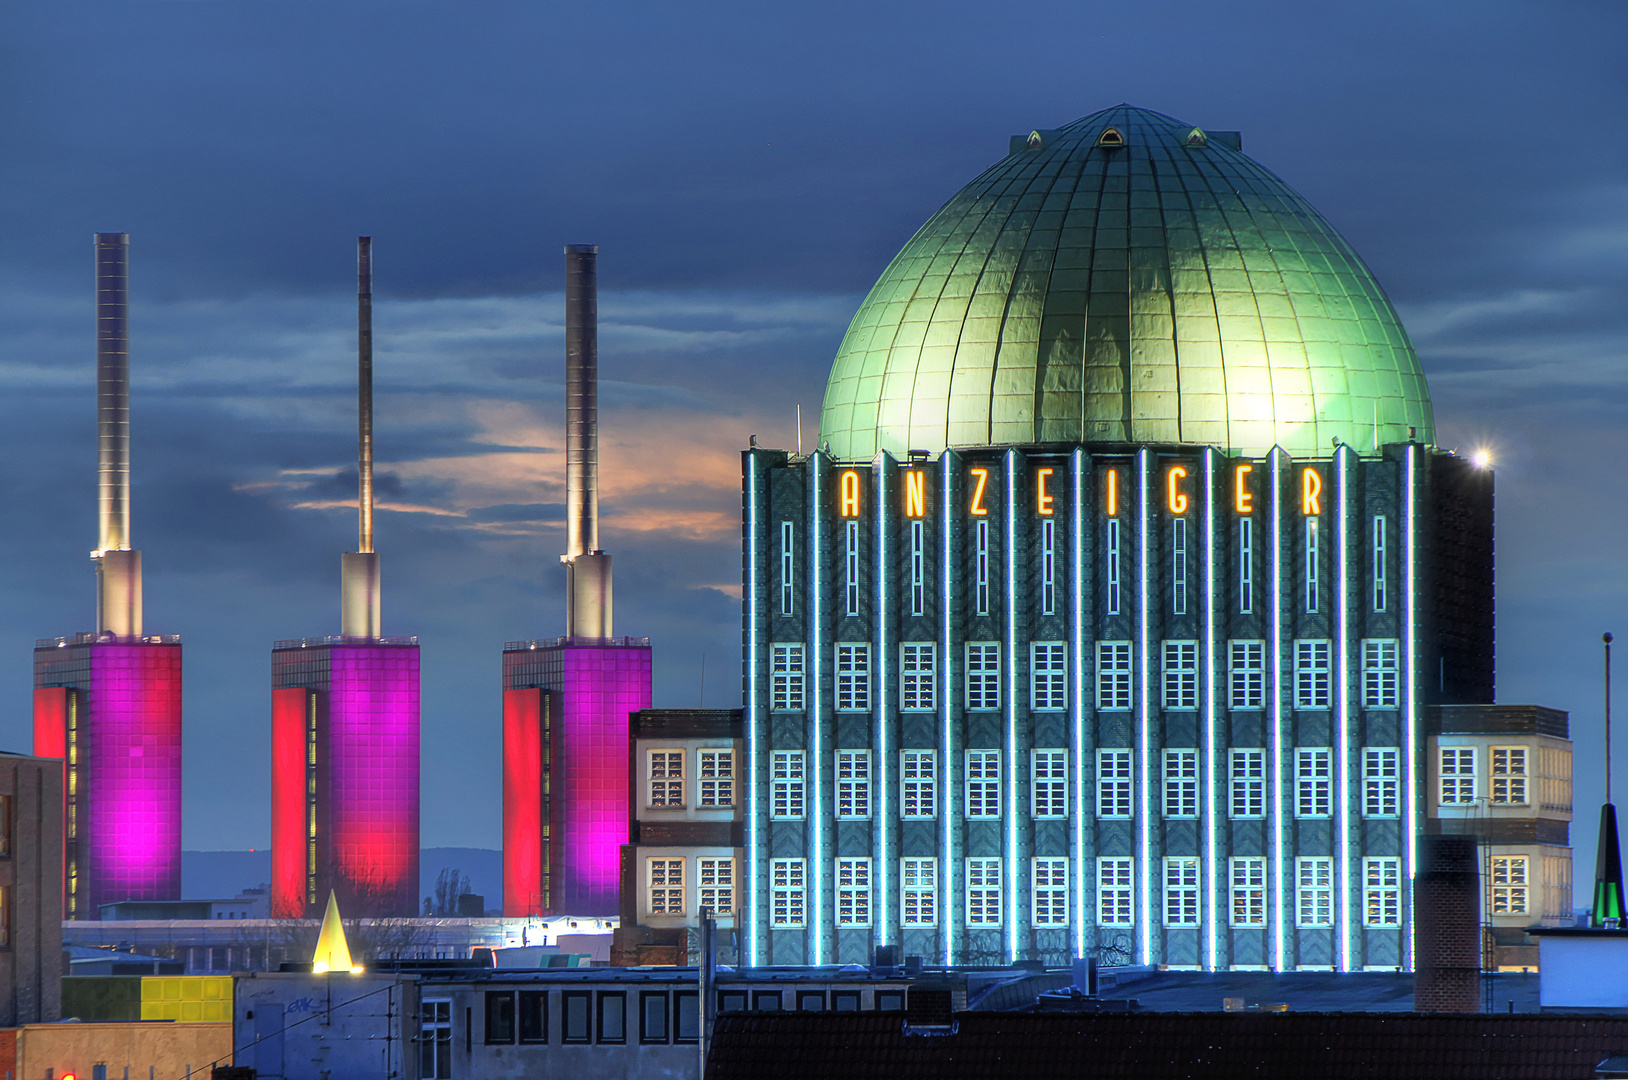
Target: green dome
[[1164, 290]]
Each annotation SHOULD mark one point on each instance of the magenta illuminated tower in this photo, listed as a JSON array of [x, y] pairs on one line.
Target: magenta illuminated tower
[[344, 714], [109, 703], [566, 700]]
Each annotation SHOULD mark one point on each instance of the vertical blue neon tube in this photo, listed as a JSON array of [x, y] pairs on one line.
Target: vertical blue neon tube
[[1144, 724], [1279, 944], [1078, 632], [1013, 890], [882, 862], [946, 742], [1410, 718], [754, 842], [817, 865], [1343, 647], [1212, 914]]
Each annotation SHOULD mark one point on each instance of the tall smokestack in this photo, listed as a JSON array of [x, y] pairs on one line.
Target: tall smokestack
[[588, 570], [359, 570], [118, 569]]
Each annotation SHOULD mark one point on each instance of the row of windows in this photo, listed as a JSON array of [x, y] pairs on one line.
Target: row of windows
[[585, 1016], [1048, 675], [714, 780], [1507, 779], [1179, 566], [669, 894], [1048, 783], [985, 894]]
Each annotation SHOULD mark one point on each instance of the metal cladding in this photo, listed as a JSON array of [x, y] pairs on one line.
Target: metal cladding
[[118, 569], [588, 607], [566, 706], [1125, 278], [345, 776], [112, 710]]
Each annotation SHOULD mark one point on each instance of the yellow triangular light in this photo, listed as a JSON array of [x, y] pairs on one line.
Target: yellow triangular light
[[333, 951]]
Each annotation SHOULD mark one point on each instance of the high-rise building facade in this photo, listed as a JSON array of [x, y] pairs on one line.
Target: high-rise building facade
[[566, 701], [1103, 618], [108, 703], [345, 724]]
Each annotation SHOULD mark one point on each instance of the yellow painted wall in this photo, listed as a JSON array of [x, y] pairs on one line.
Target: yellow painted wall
[[188, 999], [167, 1048]]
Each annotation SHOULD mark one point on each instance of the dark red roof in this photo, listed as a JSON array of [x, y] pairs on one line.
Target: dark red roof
[[1154, 1046]]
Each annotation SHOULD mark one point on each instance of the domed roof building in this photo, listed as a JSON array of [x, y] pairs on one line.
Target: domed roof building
[[1109, 615], [1125, 278]]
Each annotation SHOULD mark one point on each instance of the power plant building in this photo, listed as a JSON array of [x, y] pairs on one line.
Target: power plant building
[[345, 725], [108, 703], [1104, 617], [566, 700]]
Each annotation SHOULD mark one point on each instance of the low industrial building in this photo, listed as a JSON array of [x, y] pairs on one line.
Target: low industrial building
[[115, 1049]]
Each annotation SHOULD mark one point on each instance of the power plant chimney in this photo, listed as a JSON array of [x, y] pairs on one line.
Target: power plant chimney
[[359, 570], [588, 570], [118, 568]]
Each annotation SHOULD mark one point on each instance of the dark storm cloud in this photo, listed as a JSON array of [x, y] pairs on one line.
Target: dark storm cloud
[[747, 170]]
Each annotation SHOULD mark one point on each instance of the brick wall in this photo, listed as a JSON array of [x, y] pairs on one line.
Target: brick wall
[[1447, 926]]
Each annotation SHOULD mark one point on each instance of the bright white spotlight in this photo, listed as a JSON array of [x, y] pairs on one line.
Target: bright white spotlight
[[1481, 458]]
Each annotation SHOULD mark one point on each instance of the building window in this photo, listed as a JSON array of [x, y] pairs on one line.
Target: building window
[[1181, 783], [1248, 891], [435, 1039], [686, 1017], [666, 778], [980, 588], [918, 884], [1508, 775], [1178, 566], [653, 1016], [1050, 891], [1113, 676], [613, 1016], [1248, 783], [1379, 564], [1181, 675], [1314, 781], [666, 886], [1311, 674], [1181, 892], [1380, 673], [983, 783], [1048, 567], [786, 892], [1048, 783], [984, 676], [1246, 669], [1048, 676], [853, 784], [534, 1016], [786, 677], [1311, 564], [853, 678], [1113, 783], [918, 568], [1114, 893], [918, 784], [853, 892], [1381, 780], [983, 892], [1314, 891], [1508, 885], [1111, 565], [787, 565], [916, 662], [574, 1009], [717, 779], [1246, 565], [717, 885], [851, 568], [1382, 892], [1457, 775], [499, 1017], [786, 785]]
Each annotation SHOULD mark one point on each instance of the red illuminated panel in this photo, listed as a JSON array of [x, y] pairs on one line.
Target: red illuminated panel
[[51, 722], [522, 803], [288, 796]]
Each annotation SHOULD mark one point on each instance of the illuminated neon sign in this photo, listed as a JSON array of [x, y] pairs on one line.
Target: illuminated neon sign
[[1242, 500], [1111, 505], [1174, 496], [848, 493], [1042, 496], [915, 493], [1311, 492], [977, 507]]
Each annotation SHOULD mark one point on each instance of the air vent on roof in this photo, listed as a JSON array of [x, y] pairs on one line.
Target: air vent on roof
[[1196, 137], [1035, 140], [1110, 137]]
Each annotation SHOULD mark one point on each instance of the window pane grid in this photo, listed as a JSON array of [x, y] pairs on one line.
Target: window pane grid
[[984, 892], [1050, 891], [1181, 783], [786, 892], [853, 783], [918, 783], [1114, 892], [1181, 675], [983, 783], [983, 675], [1246, 674], [1113, 783], [786, 785], [1181, 892], [1113, 676], [1049, 783], [917, 661]]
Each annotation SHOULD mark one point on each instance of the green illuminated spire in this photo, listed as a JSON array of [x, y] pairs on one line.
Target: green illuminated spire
[[1165, 289]]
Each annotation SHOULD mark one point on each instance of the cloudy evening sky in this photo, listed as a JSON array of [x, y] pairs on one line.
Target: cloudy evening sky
[[747, 170]]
